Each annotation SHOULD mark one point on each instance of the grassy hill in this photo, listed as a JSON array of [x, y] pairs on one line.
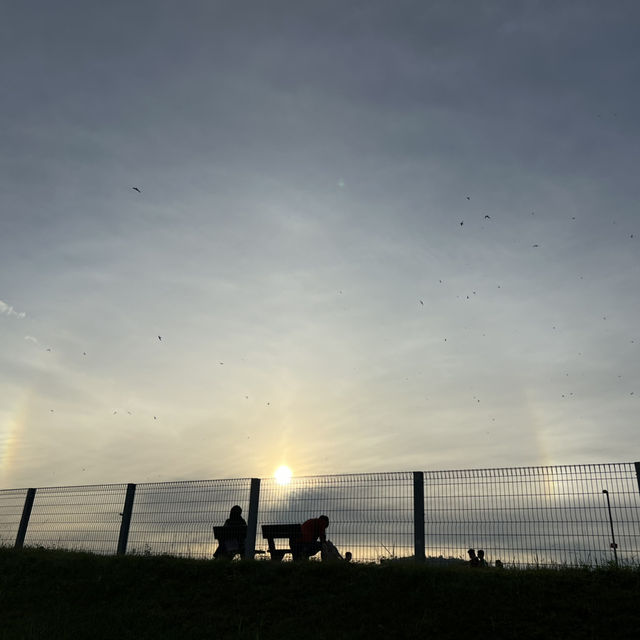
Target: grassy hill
[[57, 594]]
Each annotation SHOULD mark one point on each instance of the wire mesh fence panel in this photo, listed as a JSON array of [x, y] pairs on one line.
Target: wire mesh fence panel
[[177, 518], [370, 515], [546, 516], [11, 505], [77, 518]]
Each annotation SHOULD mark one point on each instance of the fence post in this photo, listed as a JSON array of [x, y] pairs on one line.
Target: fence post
[[638, 474], [252, 521], [613, 544], [126, 519], [24, 520], [418, 515]]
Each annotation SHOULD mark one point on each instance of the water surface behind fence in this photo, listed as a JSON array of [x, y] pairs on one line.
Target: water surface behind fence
[[525, 515]]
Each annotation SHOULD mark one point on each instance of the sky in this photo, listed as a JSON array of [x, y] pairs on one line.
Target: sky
[[365, 236]]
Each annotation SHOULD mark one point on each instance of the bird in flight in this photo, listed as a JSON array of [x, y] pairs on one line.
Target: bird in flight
[[160, 338], [422, 303], [136, 189], [536, 245], [487, 217]]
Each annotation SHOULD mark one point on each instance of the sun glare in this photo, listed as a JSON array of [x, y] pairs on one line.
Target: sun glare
[[283, 475]]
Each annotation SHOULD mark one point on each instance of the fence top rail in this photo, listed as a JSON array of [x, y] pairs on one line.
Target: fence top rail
[[236, 481], [404, 475], [120, 486], [123, 485], [350, 476], [539, 469]]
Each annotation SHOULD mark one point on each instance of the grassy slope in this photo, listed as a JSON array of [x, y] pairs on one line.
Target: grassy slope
[[55, 594]]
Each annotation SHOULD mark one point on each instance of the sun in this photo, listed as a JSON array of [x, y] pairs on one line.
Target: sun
[[283, 474]]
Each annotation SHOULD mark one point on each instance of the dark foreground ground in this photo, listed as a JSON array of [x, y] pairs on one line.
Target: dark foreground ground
[[56, 594]]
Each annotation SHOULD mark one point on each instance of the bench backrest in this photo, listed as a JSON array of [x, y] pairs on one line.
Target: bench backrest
[[271, 531]]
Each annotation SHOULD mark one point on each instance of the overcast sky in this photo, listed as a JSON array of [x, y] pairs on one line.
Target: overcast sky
[[372, 236]]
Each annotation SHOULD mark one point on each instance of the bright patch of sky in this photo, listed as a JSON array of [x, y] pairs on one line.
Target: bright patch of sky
[[364, 236]]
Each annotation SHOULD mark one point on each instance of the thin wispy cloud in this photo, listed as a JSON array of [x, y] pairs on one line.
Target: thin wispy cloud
[[8, 310]]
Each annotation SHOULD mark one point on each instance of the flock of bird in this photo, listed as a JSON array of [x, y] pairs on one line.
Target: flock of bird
[[421, 301]]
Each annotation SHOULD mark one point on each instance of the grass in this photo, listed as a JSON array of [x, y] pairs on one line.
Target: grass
[[60, 594]]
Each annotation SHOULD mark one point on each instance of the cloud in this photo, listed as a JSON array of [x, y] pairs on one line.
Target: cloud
[[8, 310]]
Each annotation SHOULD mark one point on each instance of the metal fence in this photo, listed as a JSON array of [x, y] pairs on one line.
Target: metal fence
[[546, 516], [537, 515], [11, 507], [175, 518], [82, 518], [371, 515]]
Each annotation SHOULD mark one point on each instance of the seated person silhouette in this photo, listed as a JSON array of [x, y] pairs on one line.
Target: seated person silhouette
[[474, 561], [235, 534], [311, 538], [481, 561]]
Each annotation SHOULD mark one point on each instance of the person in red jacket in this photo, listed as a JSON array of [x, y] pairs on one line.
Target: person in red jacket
[[311, 539]]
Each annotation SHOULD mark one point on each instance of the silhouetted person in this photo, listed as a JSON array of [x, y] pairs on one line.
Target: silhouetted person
[[481, 561], [474, 561], [347, 556], [498, 564], [234, 536], [311, 538]]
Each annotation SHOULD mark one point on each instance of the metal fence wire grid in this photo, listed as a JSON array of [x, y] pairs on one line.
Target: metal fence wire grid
[[543, 516]]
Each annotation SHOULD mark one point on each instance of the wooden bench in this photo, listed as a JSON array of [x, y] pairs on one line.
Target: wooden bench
[[272, 532], [229, 536]]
